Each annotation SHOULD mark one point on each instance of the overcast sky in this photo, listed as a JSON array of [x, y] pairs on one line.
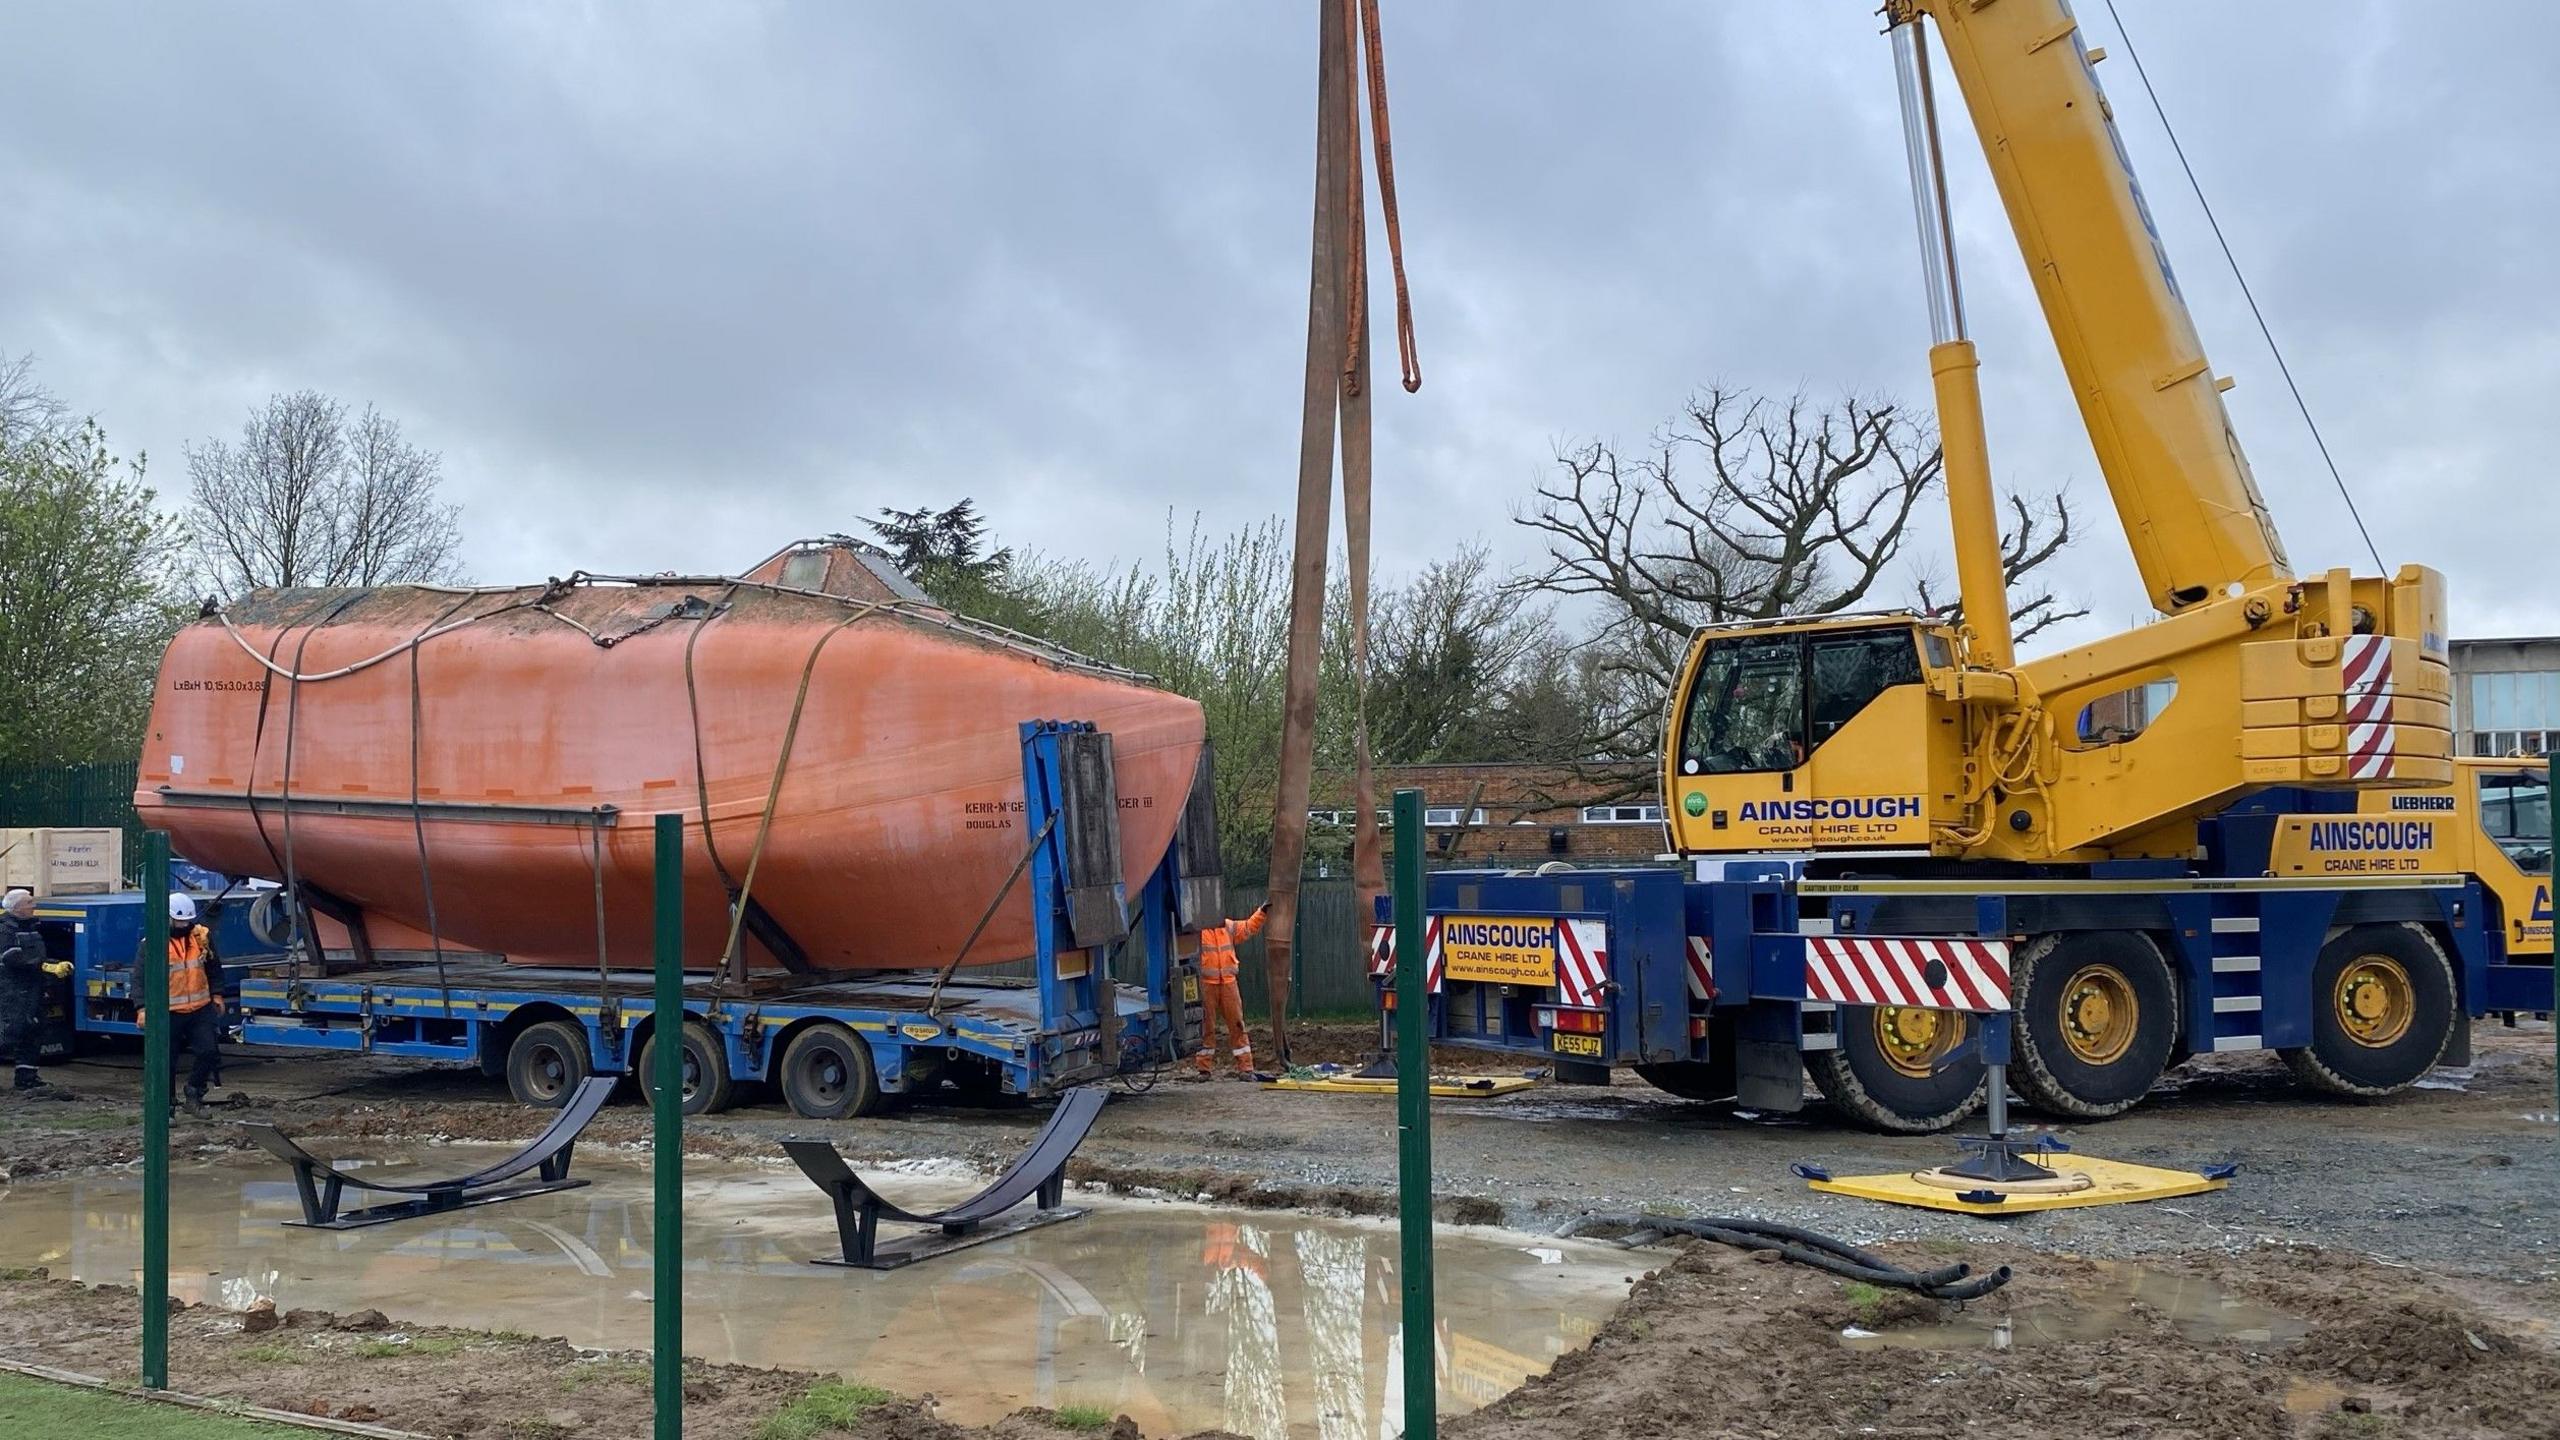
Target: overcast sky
[[669, 285]]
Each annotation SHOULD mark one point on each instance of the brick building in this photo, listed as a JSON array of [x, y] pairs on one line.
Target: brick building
[[1507, 814]]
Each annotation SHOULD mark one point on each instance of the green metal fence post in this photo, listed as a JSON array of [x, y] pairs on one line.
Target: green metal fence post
[[666, 1233], [1413, 1126], [151, 969]]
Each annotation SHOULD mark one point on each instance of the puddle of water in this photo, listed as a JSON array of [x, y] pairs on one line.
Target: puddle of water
[[2196, 1309], [1183, 1317]]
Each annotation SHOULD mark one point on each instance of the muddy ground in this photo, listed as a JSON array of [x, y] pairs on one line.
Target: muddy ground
[[2416, 1240]]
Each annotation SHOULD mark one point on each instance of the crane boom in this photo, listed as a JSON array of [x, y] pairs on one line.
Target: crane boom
[[2152, 404], [1910, 735]]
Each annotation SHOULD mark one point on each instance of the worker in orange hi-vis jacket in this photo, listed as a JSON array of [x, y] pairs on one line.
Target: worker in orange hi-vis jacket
[[1221, 1003]]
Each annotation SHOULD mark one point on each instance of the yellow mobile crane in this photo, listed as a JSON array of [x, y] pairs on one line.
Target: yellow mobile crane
[[1913, 866]]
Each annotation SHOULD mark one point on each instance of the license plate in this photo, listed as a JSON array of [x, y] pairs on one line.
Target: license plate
[[1570, 1044], [1190, 989]]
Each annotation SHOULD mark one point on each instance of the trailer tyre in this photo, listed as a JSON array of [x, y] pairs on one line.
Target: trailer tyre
[[827, 1074], [2097, 1019], [2382, 1011], [706, 1070], [1883, 1072], [546, 1063]]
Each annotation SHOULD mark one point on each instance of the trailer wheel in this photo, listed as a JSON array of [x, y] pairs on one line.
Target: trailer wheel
[[546, 1063], [2382, 1011], [1690, 1079], [827, 1074], [2097, 1016], [1884, 1073], [705, 1065]]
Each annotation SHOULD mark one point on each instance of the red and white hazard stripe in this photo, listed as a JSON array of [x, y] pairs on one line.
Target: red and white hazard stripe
[[1582, 962], [1928, 974], [2365, 680], [1702, 975], [1382, 951]]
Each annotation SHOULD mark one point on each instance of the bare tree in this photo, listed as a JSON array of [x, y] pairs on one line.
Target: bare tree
[[306, 498], [1745, 508], [27, 409]]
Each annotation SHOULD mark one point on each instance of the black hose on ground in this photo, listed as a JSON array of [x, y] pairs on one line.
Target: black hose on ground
[[1801, 1247]]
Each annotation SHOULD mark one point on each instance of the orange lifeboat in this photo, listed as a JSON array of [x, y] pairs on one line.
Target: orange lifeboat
[[485, 765]]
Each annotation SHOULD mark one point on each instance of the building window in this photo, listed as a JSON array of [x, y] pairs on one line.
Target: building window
[[2515, 700], [2499, 743], [1451, 815], [1621, 814]]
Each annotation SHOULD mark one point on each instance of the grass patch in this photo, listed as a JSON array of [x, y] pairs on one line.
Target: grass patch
[[1081, 1417], [25, 1272], [271, 1354], [829, 1405], [1868, 1299], [70, 1412]]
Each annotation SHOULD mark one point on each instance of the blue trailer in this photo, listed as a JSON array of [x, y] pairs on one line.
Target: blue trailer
[[1899, 993], [1108, 993]]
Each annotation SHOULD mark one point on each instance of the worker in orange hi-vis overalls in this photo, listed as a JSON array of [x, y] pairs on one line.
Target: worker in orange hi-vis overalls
[[1221, 1003], [195, 998]]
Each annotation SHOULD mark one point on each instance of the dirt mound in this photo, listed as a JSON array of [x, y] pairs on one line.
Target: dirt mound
[[1722, 1344]]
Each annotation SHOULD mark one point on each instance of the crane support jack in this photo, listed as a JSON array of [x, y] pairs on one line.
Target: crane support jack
[[2001, 1176]]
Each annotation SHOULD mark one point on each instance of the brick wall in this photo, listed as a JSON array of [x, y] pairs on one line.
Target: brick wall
[[1531, 813]]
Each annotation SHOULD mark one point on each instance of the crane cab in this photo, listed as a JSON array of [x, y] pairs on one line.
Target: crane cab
[[1812, 735]]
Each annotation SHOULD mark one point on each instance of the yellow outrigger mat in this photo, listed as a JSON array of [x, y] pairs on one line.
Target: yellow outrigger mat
[[1447, 1087], [2111, 1182]]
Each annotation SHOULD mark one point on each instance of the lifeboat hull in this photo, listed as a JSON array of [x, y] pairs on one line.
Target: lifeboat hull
[[494, 783]]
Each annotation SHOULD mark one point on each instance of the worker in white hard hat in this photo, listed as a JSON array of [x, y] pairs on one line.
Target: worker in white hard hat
[[195, 998], [24, 965]]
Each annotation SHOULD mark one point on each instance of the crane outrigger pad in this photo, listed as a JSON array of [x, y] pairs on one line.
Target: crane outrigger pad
[[2109, 1182], [1039, 1172], [321, 1184]]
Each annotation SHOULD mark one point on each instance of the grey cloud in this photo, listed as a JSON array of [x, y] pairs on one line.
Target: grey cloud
[[668, 284]]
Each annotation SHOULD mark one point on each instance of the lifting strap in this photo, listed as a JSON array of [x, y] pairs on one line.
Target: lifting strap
[[1336, 395]]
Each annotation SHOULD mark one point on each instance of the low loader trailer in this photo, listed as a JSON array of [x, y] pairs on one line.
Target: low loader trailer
[[1110, 991]]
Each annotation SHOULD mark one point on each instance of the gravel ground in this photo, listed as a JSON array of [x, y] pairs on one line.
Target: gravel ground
[[2431, 1218]]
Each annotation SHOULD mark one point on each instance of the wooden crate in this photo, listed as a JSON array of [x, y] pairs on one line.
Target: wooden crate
[[63, 860]]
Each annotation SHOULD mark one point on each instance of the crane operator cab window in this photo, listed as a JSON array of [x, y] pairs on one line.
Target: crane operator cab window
[[1767, 702], [2515, 808]]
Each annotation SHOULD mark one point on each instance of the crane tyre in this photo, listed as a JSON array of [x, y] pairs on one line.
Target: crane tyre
[[1882, 1073], [706, 1069], [2097, 1019], [827, 1074], [546, 1062], [1690, 1079], [2382, 1011]]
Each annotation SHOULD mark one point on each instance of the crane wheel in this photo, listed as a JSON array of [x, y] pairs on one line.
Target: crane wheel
[[2097, 1019], [706, 1069], [2382, 1011], [1884, 1073]]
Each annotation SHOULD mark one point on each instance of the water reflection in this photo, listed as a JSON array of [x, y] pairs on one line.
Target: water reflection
[[1279, 1328]]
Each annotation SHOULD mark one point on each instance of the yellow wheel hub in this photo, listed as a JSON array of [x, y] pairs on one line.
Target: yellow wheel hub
[[1912, 1041], [2100, 1015], [2375, 1002]]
